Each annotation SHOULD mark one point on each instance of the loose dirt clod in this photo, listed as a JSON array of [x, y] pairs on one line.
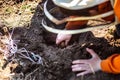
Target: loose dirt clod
[[35, 43]]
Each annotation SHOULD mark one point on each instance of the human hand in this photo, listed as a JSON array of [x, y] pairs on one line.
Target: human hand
[[63, 38], [87, 66]]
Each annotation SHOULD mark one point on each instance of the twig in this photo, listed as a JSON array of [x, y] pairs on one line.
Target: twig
[[91, 68], [82, 77], [31, 73]]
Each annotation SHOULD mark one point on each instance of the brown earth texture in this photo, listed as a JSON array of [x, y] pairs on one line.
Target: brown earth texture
[[56, 61]]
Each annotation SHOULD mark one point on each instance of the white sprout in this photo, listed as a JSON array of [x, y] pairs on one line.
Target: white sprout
[[11, 49], [35, 59]]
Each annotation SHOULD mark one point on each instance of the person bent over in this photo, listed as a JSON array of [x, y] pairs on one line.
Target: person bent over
[[72, 25], [109, 65]]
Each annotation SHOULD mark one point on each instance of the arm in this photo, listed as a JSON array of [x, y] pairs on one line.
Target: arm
[[72, 25], [110, 65], [69, 26], [117, 9]]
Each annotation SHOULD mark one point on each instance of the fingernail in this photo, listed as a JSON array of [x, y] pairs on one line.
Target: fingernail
[[79, 75], [73, 62], [73, 70], [71, 66], [56, 41], [87, 48]]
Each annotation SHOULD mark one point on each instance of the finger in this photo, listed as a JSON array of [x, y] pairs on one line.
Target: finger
[[80, 67], [66, 42], [74, 66], [85, 66], [83, 73], [58, 41], [79, 61], [77, 69], [91, 52]]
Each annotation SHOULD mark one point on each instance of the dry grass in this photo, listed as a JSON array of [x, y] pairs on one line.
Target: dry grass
[[13, 14]]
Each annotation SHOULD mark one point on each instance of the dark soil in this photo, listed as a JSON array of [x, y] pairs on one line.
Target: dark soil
[[56, 60]]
